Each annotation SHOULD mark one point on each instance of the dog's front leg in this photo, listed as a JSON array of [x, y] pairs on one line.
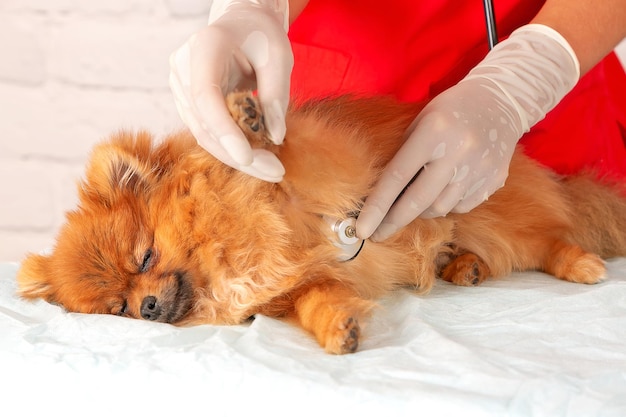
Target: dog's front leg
[[333, 313]]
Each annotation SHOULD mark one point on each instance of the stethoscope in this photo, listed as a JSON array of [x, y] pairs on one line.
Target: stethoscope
[[343, 230], [490, 20]]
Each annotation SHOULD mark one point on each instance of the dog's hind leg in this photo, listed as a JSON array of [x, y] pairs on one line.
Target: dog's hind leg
[[571, 263]]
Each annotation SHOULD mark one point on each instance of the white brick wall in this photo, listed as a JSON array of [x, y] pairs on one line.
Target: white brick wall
[[71, 72]]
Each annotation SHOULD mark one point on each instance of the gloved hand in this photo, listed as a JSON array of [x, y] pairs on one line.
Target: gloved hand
[[244, 46], [463, 140]]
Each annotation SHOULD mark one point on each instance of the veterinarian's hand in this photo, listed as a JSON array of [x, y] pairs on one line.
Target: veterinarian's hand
[[462, 142], [244, 46]]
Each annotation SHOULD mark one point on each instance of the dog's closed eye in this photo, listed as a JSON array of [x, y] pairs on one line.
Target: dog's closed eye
[[147, 260]]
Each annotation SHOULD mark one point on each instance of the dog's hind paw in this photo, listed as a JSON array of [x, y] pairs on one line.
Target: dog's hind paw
[[572, 263], [587, 269], [467, 270]]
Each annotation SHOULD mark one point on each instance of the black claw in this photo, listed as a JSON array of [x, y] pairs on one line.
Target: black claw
[[251, 102]]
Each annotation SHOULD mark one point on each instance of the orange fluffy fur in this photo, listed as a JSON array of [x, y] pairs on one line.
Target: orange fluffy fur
[[166, 232]]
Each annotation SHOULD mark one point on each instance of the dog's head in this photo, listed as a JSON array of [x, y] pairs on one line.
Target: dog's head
[[105, 260], [169, 234]]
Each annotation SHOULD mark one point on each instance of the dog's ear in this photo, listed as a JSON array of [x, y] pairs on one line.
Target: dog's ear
[[118, 167], [33, 278]]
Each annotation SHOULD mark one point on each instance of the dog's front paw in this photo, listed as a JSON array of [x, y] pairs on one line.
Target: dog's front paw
[[245, 109], [332, 312], [343, 336]]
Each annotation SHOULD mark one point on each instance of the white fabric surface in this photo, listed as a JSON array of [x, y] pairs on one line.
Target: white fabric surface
[[526, 345]]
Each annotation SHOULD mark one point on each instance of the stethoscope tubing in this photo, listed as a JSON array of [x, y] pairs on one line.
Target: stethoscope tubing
[[490, 20]]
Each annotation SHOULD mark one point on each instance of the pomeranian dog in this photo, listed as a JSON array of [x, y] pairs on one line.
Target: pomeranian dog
[[166, 232]]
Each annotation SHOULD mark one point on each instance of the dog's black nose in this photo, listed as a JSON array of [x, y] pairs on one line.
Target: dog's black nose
[[150, 309]]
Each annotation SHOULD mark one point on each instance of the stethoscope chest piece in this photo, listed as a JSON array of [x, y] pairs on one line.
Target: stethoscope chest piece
[[343, 232]]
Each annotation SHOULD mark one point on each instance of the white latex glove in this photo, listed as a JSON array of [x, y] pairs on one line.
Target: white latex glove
[[244, 46], [463, 140]]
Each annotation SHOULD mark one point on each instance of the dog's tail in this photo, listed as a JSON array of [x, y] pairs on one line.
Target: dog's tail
[[599, 210]]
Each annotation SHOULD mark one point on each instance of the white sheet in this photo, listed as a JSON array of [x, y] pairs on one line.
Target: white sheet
[[526, 345]]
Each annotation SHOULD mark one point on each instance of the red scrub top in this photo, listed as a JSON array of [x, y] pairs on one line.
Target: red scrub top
[[414, 49]]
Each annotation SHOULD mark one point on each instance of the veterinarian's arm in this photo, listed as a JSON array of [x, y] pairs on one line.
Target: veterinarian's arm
[[462, 142], [592, 28], [244, 46]]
